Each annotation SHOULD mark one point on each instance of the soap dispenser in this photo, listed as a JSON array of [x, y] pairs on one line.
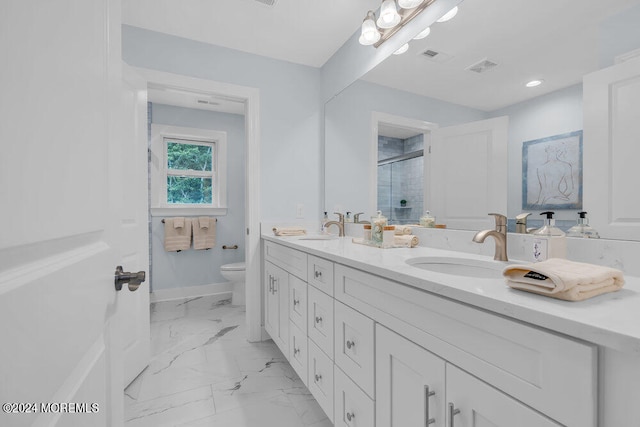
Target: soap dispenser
[[325, 219], [582, 228], [549, 241]]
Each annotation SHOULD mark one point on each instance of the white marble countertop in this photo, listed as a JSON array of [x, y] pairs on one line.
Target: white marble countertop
[[611, 320]]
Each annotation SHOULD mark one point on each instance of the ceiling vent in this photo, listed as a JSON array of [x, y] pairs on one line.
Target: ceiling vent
[[268, 2], [204, 101], [436, 56], [482, 66]]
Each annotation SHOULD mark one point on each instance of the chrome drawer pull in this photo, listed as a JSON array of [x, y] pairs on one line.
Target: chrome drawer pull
[[427, 394], [350, 416], [350, 344], [452, 412]]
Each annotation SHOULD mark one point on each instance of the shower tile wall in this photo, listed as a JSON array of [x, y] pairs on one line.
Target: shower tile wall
[[401, 180]]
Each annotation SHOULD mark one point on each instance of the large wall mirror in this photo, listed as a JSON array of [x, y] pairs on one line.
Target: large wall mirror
[[469, 70]]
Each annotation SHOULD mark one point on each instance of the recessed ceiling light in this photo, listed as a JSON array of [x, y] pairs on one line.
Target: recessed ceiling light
[[422, 34], [449, 15], [403, 49], [534, 83]]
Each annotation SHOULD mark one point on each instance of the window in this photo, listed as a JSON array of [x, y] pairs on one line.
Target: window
[[188, 171]]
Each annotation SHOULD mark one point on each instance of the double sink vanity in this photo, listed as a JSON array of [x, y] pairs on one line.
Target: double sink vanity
[[431, 337]]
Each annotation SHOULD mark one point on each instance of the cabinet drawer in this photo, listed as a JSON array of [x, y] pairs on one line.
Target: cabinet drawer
[[298, 303], [320, 382], [354, 346], [293, 261], [320, 274], [353, 408], [537, 367], [298, 353], [320, 319]]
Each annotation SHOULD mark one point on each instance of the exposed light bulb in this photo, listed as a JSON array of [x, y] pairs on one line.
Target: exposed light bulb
[[449, 15], [534, 83], [389, 16], [403, 49], [370, 34], [409, 4], [422, 34]]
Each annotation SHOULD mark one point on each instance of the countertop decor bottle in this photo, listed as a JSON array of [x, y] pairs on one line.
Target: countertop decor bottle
[[377, 227], [549, 241], [582, 228], [388, 236], [427, 220], [366, 235]]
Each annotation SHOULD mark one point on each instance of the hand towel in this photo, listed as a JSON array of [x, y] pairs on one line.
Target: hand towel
[[407, 240], [564, 279], [402, 230], [204, 237], [178, 222], [289, 231], [203, 221], [177, 238]]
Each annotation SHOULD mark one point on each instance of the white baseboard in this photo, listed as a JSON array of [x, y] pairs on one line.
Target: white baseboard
[[220, 289]]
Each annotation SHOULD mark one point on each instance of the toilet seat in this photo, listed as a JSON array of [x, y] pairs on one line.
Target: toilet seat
[[236, 266]]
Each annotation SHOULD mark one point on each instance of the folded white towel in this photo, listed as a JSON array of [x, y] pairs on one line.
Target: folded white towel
[[177, 238], [407, 240], [289, 231], [178, 222], [402, 230], [204, 237], [564, 279]]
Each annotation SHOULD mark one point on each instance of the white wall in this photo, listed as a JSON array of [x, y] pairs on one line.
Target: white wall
[[552, 114], [194, 268], [349, 147], [290, 111]]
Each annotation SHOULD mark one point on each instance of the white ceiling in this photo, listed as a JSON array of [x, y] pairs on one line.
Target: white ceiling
[[305, 32], [552, 40]]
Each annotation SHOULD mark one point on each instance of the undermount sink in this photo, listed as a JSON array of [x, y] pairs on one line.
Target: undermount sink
[[467, 267]]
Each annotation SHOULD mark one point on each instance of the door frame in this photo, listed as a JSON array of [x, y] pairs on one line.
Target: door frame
[[251, 99], [402, 122]]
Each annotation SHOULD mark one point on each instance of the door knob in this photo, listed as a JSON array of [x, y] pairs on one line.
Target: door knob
[[133, 279]]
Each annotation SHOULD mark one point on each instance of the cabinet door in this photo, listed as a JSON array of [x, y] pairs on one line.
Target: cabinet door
[[276, 305], [352, 406], [410, 383], [298, 353], [481, 405], [320, 319], [298, 302], [320, 382]]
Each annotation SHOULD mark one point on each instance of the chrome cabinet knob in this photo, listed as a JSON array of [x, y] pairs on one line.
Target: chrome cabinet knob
[[296, 302], [318, 319], [350, 416], [318, 274], [350, 344], [296, 351], [318, 377]]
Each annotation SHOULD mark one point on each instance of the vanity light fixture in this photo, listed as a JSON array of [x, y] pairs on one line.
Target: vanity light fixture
[[534, 83], [449, 15], [391, 20], [403, 49]]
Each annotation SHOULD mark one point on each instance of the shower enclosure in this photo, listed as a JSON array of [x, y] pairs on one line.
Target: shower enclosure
[[400, 179]]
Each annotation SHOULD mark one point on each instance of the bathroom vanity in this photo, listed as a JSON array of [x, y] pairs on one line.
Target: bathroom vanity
[[381, 342]]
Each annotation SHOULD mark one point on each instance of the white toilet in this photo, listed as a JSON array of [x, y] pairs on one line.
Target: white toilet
[[235, 273]]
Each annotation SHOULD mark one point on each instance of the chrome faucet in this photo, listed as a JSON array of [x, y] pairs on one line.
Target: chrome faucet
[[339, 223], [521, 223], [499, 235], [356, 219]]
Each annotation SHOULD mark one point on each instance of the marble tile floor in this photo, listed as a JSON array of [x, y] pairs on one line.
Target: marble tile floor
[[204, 373]]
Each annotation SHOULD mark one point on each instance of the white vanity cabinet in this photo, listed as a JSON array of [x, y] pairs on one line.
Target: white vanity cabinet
[[276, 311]]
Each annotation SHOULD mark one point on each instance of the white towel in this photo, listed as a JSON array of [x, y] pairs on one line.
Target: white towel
[[204, 233], [402, 230], [564, 279], [408, 240], [289, 231], [177, 238]]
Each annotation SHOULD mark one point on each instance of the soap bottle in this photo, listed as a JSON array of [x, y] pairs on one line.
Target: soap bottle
[[549, 241], [325, 219], [582, 228], [377, 227], [348, 218], [427, 220]]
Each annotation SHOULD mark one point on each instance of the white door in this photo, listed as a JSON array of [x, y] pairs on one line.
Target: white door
[[133, 307], [473, 403], [468, 177], [60, 238], [410, 383], [611, 150]]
